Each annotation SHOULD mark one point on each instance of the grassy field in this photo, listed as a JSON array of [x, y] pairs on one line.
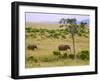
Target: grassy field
[[44, 57]]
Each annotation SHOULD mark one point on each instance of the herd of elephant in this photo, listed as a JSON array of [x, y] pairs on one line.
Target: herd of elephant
[[61, 47]]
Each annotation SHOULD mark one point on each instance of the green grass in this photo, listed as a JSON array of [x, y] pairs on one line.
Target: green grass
[[52, 62]]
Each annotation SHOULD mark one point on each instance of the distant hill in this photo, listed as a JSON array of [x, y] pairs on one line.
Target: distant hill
[[50, 25], [43, 25]]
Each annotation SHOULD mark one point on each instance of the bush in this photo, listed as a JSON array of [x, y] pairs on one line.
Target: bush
[[32, 58], [29, 29], [63, 36], [84, 55], [56, 34], [33, 35], [71, 56], [64, 55], [57, 53]]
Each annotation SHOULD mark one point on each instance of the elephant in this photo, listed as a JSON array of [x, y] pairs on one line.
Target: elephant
[[32, 47], [64, 47]]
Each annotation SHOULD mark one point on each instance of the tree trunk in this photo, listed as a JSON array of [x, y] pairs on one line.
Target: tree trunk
[[74, 51]]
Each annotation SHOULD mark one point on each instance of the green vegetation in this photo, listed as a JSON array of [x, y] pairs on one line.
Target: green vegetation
[[56, 53], [56, 57], [31, 59], [84, 55], [46, 33], [56, 34], [47, 38]]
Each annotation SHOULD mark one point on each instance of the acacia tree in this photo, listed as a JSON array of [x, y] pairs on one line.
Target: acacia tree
[[71, 26]]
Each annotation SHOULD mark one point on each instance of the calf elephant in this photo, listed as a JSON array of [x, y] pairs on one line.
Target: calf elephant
[[32, 47]]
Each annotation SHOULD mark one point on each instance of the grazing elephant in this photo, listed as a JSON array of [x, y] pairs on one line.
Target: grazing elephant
[[64, 47], [32, 47]]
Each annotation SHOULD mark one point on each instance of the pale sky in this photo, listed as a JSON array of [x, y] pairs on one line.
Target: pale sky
[[52, 18]]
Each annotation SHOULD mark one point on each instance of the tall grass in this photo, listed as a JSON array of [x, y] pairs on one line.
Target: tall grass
[[56, 55]]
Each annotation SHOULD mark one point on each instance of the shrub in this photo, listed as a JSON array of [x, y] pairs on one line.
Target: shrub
[[29, 29], [35, 30], [63, 36], [71, 56], [64, 55], [57, 53], [33, 35], [56, 34], [32, 58], [84, 55]]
